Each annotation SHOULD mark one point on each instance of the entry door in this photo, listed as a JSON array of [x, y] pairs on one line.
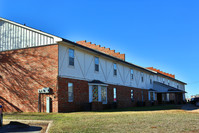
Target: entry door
[[48, 105]]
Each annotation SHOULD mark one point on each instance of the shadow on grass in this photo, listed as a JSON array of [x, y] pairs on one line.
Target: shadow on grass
[[151, 108], [18, 127]]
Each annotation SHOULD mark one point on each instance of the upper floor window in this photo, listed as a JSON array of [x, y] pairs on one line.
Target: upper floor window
[[150, 81], [168, 82], [70, 92], [71, 57], [131, 73], [177, 86], [142, 77], [114, 69], [97, 64], [163, 80], [114, 95]]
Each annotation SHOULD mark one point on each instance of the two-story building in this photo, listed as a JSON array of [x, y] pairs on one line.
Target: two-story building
[[42, 72]]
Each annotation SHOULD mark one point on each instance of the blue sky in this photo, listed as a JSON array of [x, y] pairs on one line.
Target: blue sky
[[162, 34]]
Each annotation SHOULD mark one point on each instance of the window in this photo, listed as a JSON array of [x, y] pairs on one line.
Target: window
[[142, 93], [114, 69], [142, 78], [70, 92], [151, 96], [164, 97], [163, 80], [97, 64], [132, 95], [177, 86], [103, 95], [71, 57], [114, 95], [150, 81], [95, 93], [168, 82], [131, 73]]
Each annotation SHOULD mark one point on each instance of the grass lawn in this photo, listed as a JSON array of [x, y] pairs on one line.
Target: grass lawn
[[140, 119]]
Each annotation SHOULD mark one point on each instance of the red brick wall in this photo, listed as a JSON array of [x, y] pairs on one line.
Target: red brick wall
[[124, 95], [23, 72], [81, 96]]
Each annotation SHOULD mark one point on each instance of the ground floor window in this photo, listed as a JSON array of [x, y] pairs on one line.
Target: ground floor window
[[164, 97], [70, 92], [151, 96], [155, 96], [95, 93], [104, 94], [98, 93], [132, 95], [114, 95], [142, 93]]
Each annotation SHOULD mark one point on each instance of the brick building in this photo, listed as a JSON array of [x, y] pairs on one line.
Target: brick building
[[42, 72]]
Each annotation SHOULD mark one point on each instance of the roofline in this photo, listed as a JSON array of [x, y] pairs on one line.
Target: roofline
[[29, 28], [117, 59], [109, 56], [171, 78]]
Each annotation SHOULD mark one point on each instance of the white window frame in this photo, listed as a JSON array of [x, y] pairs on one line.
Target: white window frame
[[132, 95], [104, 102], [114, 94], [96, 64], [99, 92], [69, 99], [69, 57], [114, 69], [132, 71]]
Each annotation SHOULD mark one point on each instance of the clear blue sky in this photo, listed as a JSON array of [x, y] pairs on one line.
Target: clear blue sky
[[162, 34]]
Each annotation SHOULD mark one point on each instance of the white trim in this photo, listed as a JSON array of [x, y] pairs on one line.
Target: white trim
[[154, 96], [99, 93], [168, 97], [90, 94], [97, 84]]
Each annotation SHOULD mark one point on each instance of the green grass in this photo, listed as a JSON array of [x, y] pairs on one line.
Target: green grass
[[139, 119]]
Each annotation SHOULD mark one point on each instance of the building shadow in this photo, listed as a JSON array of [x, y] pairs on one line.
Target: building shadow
[[15, 127], [190, 107], [145, 108]]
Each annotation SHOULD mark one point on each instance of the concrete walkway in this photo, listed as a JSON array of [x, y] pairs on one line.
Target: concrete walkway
[[190, 107]]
